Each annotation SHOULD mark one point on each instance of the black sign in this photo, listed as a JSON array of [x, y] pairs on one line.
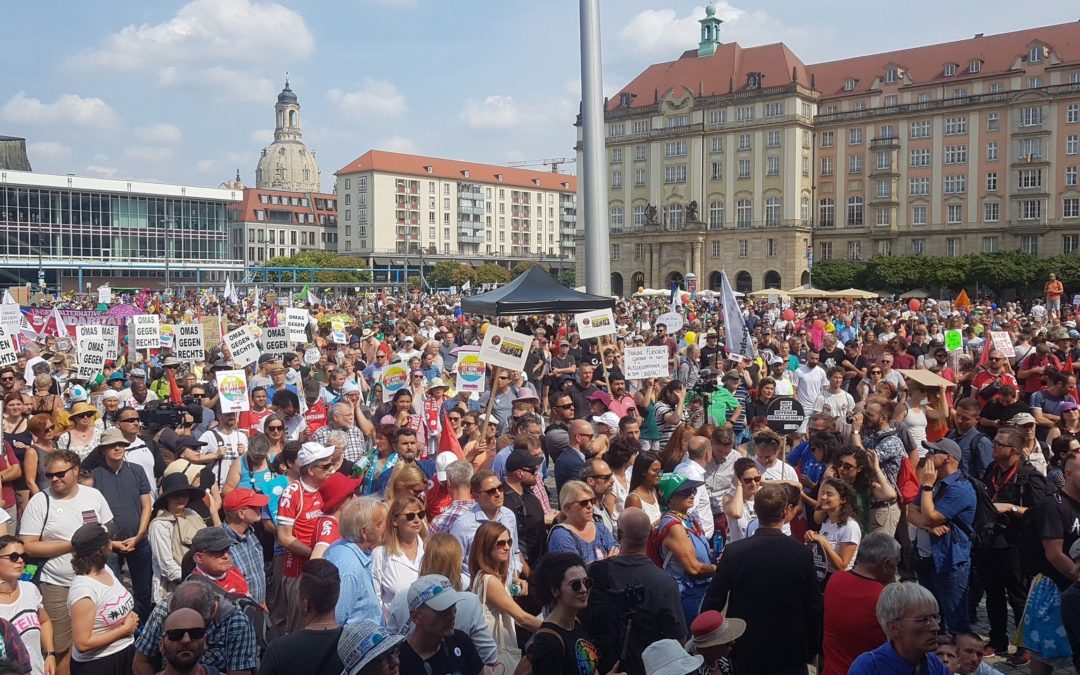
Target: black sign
[[785, 415]]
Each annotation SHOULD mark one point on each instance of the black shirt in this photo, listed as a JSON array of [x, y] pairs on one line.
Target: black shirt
[[305, 651], [573, 654], [1058, 517], [707, 354], [123, 490], [996, 410], [1022, 485], [456, 656], [530, 521], [833, 358]]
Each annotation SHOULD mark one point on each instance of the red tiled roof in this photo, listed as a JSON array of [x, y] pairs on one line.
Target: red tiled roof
[[250, 203], [452, 169], [713, 75]]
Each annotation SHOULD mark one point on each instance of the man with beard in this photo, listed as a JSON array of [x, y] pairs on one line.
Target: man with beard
[[183, 641]]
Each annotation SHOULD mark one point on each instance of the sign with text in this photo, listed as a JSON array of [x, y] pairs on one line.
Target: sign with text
[[470, 370], [211, 330], [168, 335], [504, 348], [111, 336], [595, 324], [643, 362], [297, 321], [1003, 343], [92, 351], [232, 389], [243, 346], [276, 340], [784, 415], [10, 317], [337, 331], [672, 320], [190, 344], [8, 357], [393, 379], [146, 331]]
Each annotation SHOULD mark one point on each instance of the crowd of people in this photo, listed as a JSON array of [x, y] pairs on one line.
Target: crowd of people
[[567, 519]]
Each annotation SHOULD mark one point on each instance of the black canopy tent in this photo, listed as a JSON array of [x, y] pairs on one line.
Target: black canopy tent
[[534, 292]]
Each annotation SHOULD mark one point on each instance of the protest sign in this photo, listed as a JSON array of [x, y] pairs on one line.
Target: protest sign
[[595, 324], [243, 347], [643, 362], [672, 320], [145, 331], [10, 317], [190, 345], [1003, 343], [168, 335], [111, 336], [954, 340], [297, 321], [92, 351], [784, 415], [504, 348], [470, 370], [337, 331], [8, 357], [276, 340], [232, 390], [393, 379], [211, 330]]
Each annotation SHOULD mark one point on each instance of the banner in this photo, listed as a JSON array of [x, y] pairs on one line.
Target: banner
[[8, 357], [643, 362], [190, 345], [39, 319], [595, 324], [297, 322], [393, 379], [232, 390], [504, 348], [276, 340], [673, 321], [736, 334], [145, 331], [243, 346], [470, 370]]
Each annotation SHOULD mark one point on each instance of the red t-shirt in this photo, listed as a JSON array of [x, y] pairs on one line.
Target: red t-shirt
[[232, 582], [326, 531], [985, 378], [851, 626], [249, 420], [300, 507], [316, 417]]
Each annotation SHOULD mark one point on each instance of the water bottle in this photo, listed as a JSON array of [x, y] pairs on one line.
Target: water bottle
[[515, 589], [717, 545], [28, 572]]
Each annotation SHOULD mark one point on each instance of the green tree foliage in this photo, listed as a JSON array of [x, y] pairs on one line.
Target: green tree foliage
[[568, 278], [490, 273], [448, 273], [835, 275], [522, 267], [352, 269]]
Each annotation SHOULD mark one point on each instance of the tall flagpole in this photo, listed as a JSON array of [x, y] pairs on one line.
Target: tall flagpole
[[594, 185]]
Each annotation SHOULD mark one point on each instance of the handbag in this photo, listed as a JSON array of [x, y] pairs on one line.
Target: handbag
[[502, 629], [32, 570]]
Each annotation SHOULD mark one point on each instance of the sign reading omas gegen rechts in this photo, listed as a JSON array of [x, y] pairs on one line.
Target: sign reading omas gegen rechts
[[243, 347], [146, 331], [190, 345]]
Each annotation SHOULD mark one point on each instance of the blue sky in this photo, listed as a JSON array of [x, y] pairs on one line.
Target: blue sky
[[184, 92]]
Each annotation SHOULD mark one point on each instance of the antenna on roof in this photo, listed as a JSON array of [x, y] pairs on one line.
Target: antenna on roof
[[794, 74], [813, 82], [700, 88], [656, 95]]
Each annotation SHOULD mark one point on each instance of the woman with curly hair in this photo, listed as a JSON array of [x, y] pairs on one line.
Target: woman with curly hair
[[862, 471], [840, 534]]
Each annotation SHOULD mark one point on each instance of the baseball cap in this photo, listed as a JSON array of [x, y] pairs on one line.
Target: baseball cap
[[1020, 419], [138, 372], [731, 375], [609, 418], [443, 460], [522, 459], [210, 539], [671, 483], [433, 590], [362, 642], [601, 396], [945, 445], [243, 497], [312, 452], [90, 538]]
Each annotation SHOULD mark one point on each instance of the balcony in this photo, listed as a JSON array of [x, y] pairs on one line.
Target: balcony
[[465, 238], [1031, 160], [888, 143]]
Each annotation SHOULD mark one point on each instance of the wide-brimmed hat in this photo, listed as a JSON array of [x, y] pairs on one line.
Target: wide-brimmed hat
[[667, 657], [712, 628], [112, 436], [362, 642], [336, 489], [82, 408], [176, 484]]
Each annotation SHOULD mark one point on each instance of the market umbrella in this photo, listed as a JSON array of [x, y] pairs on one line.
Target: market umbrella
[[766, 292], [915, 293], [124, 311], [809, 292], [855, 293]]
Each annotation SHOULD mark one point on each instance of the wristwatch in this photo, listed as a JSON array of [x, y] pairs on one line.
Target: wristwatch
[[1015, 508], [927, 488]]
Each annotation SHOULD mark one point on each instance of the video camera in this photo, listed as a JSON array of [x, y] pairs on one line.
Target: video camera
[[167, 414]]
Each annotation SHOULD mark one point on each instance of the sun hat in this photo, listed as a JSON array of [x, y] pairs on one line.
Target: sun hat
[[81, 408], [672, 483], [336, 489], [178, 483], [362, 642], [112, 436], [667, 657], [712, 628]]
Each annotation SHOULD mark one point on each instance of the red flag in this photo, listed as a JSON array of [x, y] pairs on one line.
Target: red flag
[[448, 442], [174, 389], [273, 317]]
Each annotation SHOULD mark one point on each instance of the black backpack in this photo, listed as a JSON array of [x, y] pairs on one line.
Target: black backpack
[[984, 527]]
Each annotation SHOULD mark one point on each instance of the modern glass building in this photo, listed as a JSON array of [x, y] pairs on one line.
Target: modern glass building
[[74, 231]]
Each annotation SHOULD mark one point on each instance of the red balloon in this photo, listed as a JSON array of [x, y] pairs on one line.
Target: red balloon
[[789, 314], [692, 316], [819, 324], [914, 304]]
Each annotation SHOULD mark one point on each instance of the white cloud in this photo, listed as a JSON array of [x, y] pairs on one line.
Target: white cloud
[[47, 150], [207, 32], [147, 153], [494, 112], [165, 133], [208, 165], [225, 84], [101, 171], [67, 110], [262, 137], [225, 165], [397, 144], [375, 98]]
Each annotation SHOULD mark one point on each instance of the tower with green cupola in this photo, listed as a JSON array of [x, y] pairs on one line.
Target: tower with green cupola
[[710, 32]]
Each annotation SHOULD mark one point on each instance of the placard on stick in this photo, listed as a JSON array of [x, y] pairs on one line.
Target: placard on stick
[[190, 345], [643, 362], [243, 346], [276, 340], [504, 348], [146, 331], [232, 388]]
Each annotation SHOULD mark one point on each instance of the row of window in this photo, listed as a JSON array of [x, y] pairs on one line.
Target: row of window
[[742, 249], [267, 236], [322, 204], [1029, 243], [1027, 209]]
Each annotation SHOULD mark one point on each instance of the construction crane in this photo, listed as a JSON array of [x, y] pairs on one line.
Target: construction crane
[[553, 163]]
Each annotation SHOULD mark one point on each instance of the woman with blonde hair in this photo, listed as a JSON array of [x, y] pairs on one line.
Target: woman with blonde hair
[[395, 565], [578, 533], [43, 400], [85, 431], [406, 480], [489, 565]]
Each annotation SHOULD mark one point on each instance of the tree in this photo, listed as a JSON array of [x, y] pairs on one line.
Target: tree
[[839, 274], [568, 278], [490, 273], [448, 273], [1005, 269], [522, 267], [901, 273], [353, 269]]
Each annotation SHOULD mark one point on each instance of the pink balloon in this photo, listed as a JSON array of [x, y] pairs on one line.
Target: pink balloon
[[914, 304], [789, 314]]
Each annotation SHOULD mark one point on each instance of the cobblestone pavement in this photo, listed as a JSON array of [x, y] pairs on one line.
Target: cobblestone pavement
[[982, 627]]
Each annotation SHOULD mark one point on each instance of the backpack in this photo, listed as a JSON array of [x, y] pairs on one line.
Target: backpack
[[907, 483], [524, 666], [654, 545], [984, 525], [610, 611], [256, 614]]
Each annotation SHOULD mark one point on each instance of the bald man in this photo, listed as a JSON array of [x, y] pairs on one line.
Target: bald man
[[183, 641]]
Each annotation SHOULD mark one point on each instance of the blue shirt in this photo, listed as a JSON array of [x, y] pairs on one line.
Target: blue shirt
[[811, 467], [568, 466], [954, 498], [357, 598], [885, 661], [465, 527], [562, 540]]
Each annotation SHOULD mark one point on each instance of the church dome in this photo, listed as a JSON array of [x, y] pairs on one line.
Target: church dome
[[287, 164], [287, 95]]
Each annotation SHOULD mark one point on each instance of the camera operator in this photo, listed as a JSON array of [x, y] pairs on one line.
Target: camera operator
[[194, 398]]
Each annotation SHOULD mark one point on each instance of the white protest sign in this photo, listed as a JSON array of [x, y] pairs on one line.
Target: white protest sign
[[595, 324], [276, 340], [672, 320], [111, 336], [104, 294], [1003, 343], [8, 357], [146, 331], [243, 346], [10, 317], [642, 362], [337, 331], [470, 370], [190, 345], [504, 348], [296, 320], [232, 389], [92, 351]]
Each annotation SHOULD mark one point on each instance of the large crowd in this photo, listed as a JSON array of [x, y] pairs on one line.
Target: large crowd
[[566, 519]]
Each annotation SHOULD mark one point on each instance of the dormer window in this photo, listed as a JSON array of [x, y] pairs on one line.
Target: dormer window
[[465, 173], [753, 80], [536, 182], [892, 75], [950, 69], [1035, 54], [566, 185], [429, 169], [499, 177], [975, 66], [849, 84], [626, 100]]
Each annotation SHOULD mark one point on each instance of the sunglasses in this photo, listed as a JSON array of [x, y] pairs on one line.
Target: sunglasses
[[128, 420], [82, 416], [491, 492], [177, 634], [454, 418], [13, 557], [57, 474], [411, 516], [752, 479], [324, 467], [504, 543], [845, 466], [566, 406], [586, 503], [275, 427], [577, 584]]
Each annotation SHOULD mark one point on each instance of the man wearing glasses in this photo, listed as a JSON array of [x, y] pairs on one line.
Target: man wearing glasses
[[992, 376], [488, 491]]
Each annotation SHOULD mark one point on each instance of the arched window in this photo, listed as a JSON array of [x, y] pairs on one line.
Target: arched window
[[616, 219], [772, 212], [772, 279], [716, 215], [676, 278], [616, 284], [744, 213], [827, 212], [292, 118], [804, 210], [855, 212], [637, 280], [714, 282], [744, 283]]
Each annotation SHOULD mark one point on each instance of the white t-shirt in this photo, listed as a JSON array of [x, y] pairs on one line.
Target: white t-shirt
[[837, 405], [393, 574], [235, 444], [848, 533], [65, 516], [780, 470], [113, 603], [23, 616], [740, 528], [809, 383], [139, 453]]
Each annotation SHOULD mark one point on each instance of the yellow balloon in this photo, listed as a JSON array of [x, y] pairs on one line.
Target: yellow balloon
[[640, 289], [691, 337], [483, 328]]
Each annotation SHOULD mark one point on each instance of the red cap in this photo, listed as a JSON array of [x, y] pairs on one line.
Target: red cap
[[242, 498], [337, 488]]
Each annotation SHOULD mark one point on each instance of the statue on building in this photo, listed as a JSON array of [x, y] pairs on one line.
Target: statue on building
[[650, 215], [691, 212]]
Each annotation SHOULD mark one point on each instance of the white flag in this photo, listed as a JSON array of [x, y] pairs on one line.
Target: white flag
[[61, 329], [467, 286], [313, 299], [736, 335], [230, 292]]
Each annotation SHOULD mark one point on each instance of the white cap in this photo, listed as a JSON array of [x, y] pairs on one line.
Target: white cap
[[609, 418], [110, 393], [312, 452], [443, 460]]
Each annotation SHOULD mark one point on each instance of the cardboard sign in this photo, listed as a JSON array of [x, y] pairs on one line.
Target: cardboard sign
[[145, 331], [168, 335], [784, 415], [394, 378], [232, 390], [672, 320], [643, 362], [111, 336], [954, 340], [190, 345], [243, 346], [1003, 343], [8, 357], [926, 379], [337, 331], [504, 348], [211, 330], [595, 324], [104, 295], [471, 371], [276, 340], [296, 320], [91, 354], [10, 317]]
